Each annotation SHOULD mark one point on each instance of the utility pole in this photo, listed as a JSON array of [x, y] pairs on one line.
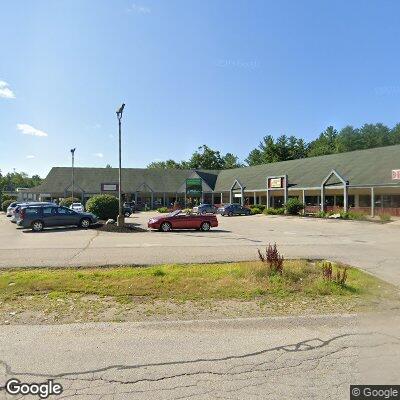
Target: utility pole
[[73, 172], [121, 217]]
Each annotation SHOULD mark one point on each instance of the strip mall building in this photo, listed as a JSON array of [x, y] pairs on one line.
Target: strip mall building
[[364, 180]]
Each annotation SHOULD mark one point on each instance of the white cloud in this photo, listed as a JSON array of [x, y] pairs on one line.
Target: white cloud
[[139, 9], [100, 155], [5, 91], [30, 156], [30, 130]]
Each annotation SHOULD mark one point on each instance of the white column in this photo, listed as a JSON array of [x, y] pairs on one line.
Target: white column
[[322, 198], [267, 198], [372, 202], [345, 198], [254, 198], [304, 200]]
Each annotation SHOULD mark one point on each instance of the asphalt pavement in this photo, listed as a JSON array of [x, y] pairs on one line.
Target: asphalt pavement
[[371, 246]]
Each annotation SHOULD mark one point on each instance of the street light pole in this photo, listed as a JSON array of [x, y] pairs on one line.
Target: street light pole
[[73, 172], [121, 218]]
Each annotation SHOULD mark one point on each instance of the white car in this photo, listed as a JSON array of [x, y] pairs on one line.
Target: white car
[[77, 207]]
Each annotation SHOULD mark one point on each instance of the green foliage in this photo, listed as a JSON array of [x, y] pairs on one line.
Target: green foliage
[[255, 210], [330, 141], [203, 158], [274, 211], [162, 210], [354, 215], [104, 206], [385, 217], [5, 197], [14, 180], [68, 201], [5, 204], [294, 206], [259, 206], [284, 148]]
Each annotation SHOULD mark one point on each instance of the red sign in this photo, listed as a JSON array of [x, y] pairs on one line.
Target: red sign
[[396, 174]]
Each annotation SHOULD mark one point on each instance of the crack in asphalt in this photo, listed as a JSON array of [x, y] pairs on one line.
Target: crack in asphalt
[[252, 374], [90, 241]]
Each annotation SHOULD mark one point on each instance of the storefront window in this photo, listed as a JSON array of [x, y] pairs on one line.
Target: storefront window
[[364, 200], [278, 201], [329, 201], [312, 201]]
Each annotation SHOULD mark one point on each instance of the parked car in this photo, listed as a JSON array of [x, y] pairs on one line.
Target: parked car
[[233, 209], [15, 214], [129, 204], [205, 208], [11, 207], [181, 220], [128, 210], [39, 217], [77, 207]]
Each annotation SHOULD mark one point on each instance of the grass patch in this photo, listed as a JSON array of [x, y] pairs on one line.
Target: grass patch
[[244, 280]]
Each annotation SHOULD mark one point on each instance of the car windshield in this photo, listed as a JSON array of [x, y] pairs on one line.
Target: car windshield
[[174, 213]]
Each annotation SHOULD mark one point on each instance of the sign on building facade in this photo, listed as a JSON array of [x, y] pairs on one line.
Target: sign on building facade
[[194, 187], [109, 187], [396, 174]]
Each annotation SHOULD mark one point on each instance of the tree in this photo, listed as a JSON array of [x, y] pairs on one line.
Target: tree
[[169, 164], [108, 166], [231, 161], [325, 144], [206, 158], [203, 158]]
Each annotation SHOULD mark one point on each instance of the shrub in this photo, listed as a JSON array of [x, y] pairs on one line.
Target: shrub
[[339, 277], [385, 217], [294, 206], [5, 196], [105, 206], [255, 210], [355, 215], [320, 214], [261, 207], [272, 258], [68, 201], [162, 210], [274, 211], [5, 204]]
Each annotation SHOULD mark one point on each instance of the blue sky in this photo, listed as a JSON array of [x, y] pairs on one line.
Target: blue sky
[[221, 73]]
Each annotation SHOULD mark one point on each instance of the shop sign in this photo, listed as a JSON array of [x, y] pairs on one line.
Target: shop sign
[[194, 187], [109, 187], [396, 174], [275, 183]]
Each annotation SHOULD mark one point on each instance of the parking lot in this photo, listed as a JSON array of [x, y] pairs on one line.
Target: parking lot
[[371, 246]]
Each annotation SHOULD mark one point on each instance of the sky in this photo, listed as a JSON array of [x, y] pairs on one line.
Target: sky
[[216, 72]]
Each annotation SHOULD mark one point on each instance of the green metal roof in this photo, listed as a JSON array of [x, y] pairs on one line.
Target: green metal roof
[[362, 167], [90, 179]]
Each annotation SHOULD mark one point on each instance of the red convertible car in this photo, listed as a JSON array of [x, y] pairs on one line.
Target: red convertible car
[[180, 220]]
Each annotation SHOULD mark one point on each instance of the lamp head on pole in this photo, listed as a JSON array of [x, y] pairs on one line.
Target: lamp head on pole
[[120, 110], [73, 151]]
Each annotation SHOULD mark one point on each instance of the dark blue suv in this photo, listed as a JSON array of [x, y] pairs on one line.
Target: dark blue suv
[[39, 217]]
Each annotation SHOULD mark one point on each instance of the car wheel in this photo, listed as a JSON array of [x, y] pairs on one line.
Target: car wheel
[[205, 226], [127, 214], [85, 223], [166, 227], [37, 226], [203, 212], [230, 214]]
